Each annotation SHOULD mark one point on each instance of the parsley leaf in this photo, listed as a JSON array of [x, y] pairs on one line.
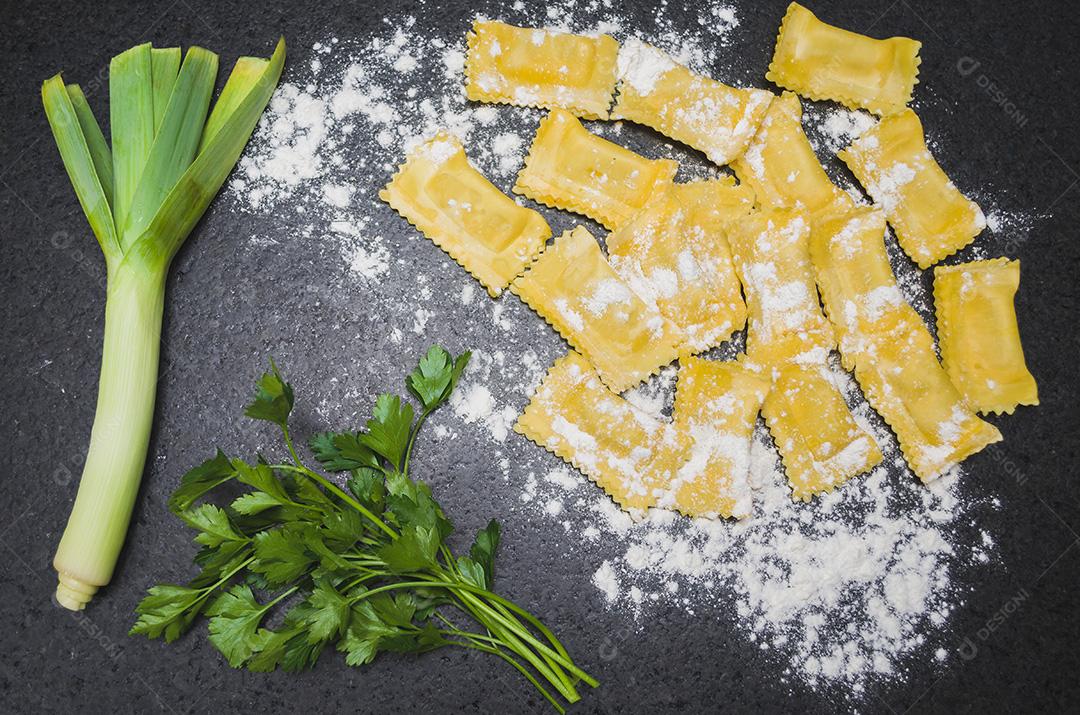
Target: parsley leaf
[[168, 610], [254, 503], [213, 525], [324, 613], [198, 481], [410, 503], [282, 554], [300, 653], [436, 376], [234, 624], [483, 551], [273, 399], [367, 486], [415, 549], [389, 428], [472, 571], [342, 451], [261, 477]]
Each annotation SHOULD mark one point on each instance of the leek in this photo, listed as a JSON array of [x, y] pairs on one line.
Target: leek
[[170, 154]]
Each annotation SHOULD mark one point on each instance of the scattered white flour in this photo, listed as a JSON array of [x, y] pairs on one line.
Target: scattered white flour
[[840, 591], [831, 127]]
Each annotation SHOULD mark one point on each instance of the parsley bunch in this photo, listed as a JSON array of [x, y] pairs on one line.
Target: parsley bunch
[[364, 569]]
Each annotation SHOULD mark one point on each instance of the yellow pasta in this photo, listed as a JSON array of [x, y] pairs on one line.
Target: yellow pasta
[[716, 405], [820, 61], [771, 251], [630, 454], [716, 202], [782, 167], [980, 342], [932, 219], [890, 348], [442, 194], [570, 168], [573, 287], [821, 444], [705, 114], [856, 281], [541, 68], [668, 257]]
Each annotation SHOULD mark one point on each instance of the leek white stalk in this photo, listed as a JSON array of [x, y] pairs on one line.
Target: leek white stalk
[[121, 433], [142, 197]]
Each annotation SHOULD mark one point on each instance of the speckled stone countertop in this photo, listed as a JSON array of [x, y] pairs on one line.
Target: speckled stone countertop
[[216, 337]]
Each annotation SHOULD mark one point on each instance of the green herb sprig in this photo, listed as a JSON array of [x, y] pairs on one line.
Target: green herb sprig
[[364, 568]]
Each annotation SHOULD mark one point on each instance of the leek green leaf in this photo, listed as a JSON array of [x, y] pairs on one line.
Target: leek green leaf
[[79, 163], [245, 74], [164, 66], [131, 122], [175, 144], [95, 140], [188, 200]]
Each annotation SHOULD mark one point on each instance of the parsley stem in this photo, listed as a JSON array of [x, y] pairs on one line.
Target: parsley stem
[[505, 604], [513, 634], [224, 579], [289, 444], [330, 486], [561, 656], [412, 440], [280, 597], [522, 669], [509, 631]]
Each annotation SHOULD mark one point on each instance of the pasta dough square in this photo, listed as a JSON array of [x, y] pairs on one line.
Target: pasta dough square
[[772, 258], [674, 256], [979, 338], [570, 168], [932, 219], [573, 287], [821, 444], [856, 281], [628, 453], [716, 201], [890, 348], [820, 61], [541, 68], [705, 114], [782, 167], [439, 192], [716, 404]]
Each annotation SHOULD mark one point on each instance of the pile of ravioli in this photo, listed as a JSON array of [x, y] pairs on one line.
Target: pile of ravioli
[[782, 251]]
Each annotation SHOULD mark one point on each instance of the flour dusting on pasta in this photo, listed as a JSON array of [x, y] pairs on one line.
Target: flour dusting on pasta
[[841, 591]]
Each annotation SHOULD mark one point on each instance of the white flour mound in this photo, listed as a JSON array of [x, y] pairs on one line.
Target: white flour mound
[[841, 590]]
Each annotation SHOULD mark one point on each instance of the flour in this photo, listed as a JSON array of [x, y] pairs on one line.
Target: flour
[[842, 591]]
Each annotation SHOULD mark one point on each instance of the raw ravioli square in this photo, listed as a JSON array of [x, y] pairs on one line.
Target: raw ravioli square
[[573, 287], [442, 194]]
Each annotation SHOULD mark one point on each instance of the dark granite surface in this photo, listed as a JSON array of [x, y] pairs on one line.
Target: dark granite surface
[[1013, 126]]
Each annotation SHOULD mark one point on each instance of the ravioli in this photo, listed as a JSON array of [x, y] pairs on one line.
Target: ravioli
[[932, 219], [532, 67], [700, 112], [716, 404], [820, 61], [821, 444], [575, 289], [785, 324], [979, 338], [449, 201], [890, 349], [572, 169], [628, 453], [782, 168], [674, 256]]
